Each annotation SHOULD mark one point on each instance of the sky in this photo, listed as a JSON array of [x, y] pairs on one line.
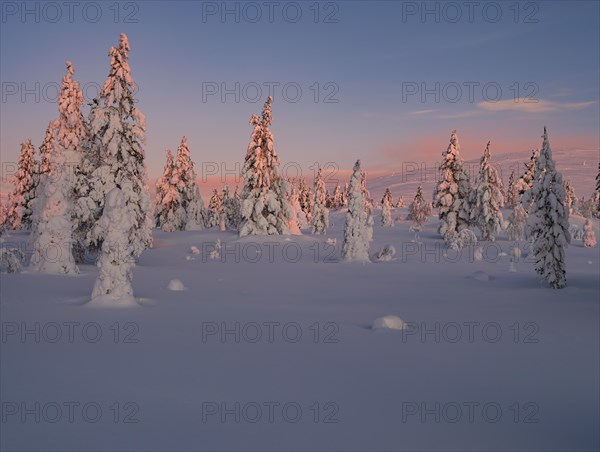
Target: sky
[[383, 81]]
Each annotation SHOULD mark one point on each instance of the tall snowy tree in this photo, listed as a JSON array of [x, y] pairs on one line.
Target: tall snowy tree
[[516, 223], [328, 199], [184, 178], [386, 209], [548, 221], [485, 213], [52, 238], [418, 210], [589, 237], [71, 138], [117, 255], [265, 208], [365, 193], [320, 219], [305, 197], [294, 200], [118, 130], [88, 190], [512, 196], [214, 210], [338, 198], [525, 182], [451, 195], [346, 193], [21, 200], [400, 203], [168, 212], [231, 209], [225, 196], [47, 147], [570, 197], [358, 231]]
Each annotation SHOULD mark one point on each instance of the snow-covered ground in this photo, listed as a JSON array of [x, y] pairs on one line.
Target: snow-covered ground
[[275, 350]]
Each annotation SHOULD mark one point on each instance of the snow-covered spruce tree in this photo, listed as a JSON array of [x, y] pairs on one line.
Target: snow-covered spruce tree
[[161, 186], [386, 209], [525, 182], [515, 230], [418, 210], [52, 239], [293, 224], [72, 137], [184, 177], [265, 208], [231, 209], [117, 254], [365, 193], [119, 130], [224, 202], [358, 231], [586, 207], [46, 148], [169, 213], [337, 201], [214, 210], [548, 221], [328, 199], [451, 195], [320, 219], [589, 237], [295, 200], [305, 197], [570, 197], [21, 200], [512, 196], [488, 199], [88, 190], [400, 203]]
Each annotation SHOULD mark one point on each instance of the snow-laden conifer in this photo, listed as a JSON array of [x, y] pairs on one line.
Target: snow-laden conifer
[[21, 200], [118, 131], [320, 212], [358, 231], [488, 199], [589, 236], [548, 221], [451, 195], [265, 207], [386, 208]]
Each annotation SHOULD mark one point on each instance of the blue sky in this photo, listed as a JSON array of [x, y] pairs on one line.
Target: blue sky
[[372, 54]]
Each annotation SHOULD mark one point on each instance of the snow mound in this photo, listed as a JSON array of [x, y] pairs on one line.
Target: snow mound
[[480, 276], [385, 254], [176, 285], [388, 322], [194, 250]]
